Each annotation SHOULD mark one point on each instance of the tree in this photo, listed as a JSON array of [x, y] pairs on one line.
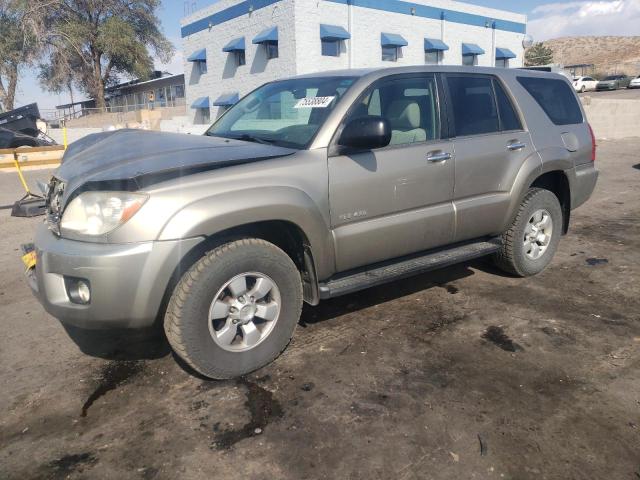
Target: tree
[[98, 40], [17, 48], [538, 54]]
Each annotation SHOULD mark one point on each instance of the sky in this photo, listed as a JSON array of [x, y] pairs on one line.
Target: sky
[[546, 19]]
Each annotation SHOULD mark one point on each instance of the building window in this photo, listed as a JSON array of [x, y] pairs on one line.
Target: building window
[[331, 48], [272, 49], [240, 58], [432, 58], [469, 60], [389, 53], [502, 62], [205, 115]]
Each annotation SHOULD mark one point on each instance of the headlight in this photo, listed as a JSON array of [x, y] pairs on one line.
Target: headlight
[[97, 213]]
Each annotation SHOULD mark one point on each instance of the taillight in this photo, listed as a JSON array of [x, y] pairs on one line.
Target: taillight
[[593, 144]]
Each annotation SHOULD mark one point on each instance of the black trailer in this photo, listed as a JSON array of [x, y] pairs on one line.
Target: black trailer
[[22, 119]]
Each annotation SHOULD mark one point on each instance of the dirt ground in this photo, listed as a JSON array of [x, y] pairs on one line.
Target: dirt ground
[[622, 94], [459, 374]]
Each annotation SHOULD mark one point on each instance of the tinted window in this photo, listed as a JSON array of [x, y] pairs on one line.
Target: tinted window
[[555, 97], [473, 105], [389, 54], [272, 49], [330, 48], [409, 104], [508, 116]]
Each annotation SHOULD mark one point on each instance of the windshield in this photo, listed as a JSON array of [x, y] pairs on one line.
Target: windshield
[[287, 113], [611, 77]]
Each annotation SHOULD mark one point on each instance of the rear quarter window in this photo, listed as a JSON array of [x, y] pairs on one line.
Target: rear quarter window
[[556, 99]]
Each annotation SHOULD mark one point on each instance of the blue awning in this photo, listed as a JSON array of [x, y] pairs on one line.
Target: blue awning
[[202, 102], [434, 45], [234, 45], [504, 54], [392, 40], [226, 99], [471, 49], [268, 35], [333, 32], [199, 56]]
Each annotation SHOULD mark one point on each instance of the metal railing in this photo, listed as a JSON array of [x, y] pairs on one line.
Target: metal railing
[[61, 115]]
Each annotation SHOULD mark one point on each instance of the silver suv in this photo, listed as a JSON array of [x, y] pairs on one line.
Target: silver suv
[[306, 189]]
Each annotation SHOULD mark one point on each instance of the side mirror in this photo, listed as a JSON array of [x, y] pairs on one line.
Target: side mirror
[[366, 133]]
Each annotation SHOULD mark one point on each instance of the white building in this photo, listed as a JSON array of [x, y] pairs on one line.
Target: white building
[[233, 47]]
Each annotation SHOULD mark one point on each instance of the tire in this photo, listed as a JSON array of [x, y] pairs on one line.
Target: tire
[[190, 332], [518, 257], [583, 89]]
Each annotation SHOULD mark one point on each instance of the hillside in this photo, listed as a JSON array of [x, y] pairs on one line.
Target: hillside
[[609, 54]]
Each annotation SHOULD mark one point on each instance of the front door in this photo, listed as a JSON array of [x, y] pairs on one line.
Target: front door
[[491, 147], [397, 200]]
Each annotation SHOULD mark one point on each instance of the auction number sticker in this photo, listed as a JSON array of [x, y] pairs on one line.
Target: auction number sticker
[[314, 102]]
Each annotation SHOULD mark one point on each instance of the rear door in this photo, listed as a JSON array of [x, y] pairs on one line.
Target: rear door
[[490, 147], [393, 201]]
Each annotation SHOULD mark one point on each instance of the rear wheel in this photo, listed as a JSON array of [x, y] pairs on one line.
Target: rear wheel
[[236, 309], [583, 89], [532, 240]]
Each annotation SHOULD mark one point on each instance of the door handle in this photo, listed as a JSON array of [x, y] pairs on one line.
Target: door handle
[[439, 157], [515, 146]]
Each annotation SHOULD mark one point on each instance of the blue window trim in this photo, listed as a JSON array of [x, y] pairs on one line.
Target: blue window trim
[[392, 40], [202, 102], [333, 32], [435, 45], [469, 49], [268, 35], [226, 99], [394, 6], [504, 54], [198, 56], [234, 45]]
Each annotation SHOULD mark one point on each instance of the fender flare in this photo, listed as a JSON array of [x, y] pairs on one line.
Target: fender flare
[[223, 211], [539, 163]]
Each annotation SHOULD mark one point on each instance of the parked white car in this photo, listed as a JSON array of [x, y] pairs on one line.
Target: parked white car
[[635, 83], [584, 84]]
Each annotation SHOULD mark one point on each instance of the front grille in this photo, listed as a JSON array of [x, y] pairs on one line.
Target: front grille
[[53, 204]]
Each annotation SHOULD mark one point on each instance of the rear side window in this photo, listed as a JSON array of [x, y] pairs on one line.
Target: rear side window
[[556, 99], [473, 105], [508, 116]]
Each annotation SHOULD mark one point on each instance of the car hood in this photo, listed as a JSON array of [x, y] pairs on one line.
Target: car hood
[[607, 82], [135, 158]]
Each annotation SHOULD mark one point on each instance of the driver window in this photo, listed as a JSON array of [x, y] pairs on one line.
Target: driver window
[[409, 105]]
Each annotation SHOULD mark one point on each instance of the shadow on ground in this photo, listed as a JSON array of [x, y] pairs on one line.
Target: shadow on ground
[[151, 343]]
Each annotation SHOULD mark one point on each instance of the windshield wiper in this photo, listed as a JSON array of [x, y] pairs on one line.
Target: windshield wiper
[[250, 138]]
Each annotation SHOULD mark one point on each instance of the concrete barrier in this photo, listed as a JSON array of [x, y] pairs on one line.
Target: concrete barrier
[[73, 134], [613, 118]]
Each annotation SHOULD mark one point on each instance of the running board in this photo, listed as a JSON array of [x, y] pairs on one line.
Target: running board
[[406, 267]]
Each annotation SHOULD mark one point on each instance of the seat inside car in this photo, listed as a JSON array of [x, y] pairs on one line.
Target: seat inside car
[[405, 118]]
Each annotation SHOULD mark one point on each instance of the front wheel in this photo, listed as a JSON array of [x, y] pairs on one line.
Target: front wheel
[[236, 309], [532, 240]]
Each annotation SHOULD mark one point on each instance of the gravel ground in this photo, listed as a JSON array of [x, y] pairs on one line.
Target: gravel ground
[[621, 94], [461, 373]]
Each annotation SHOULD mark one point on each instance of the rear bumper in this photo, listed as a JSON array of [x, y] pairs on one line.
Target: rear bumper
[[583, 184], [127, 281]]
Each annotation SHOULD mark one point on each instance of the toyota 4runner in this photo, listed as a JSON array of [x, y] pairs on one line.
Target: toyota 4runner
[[306, 189]]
